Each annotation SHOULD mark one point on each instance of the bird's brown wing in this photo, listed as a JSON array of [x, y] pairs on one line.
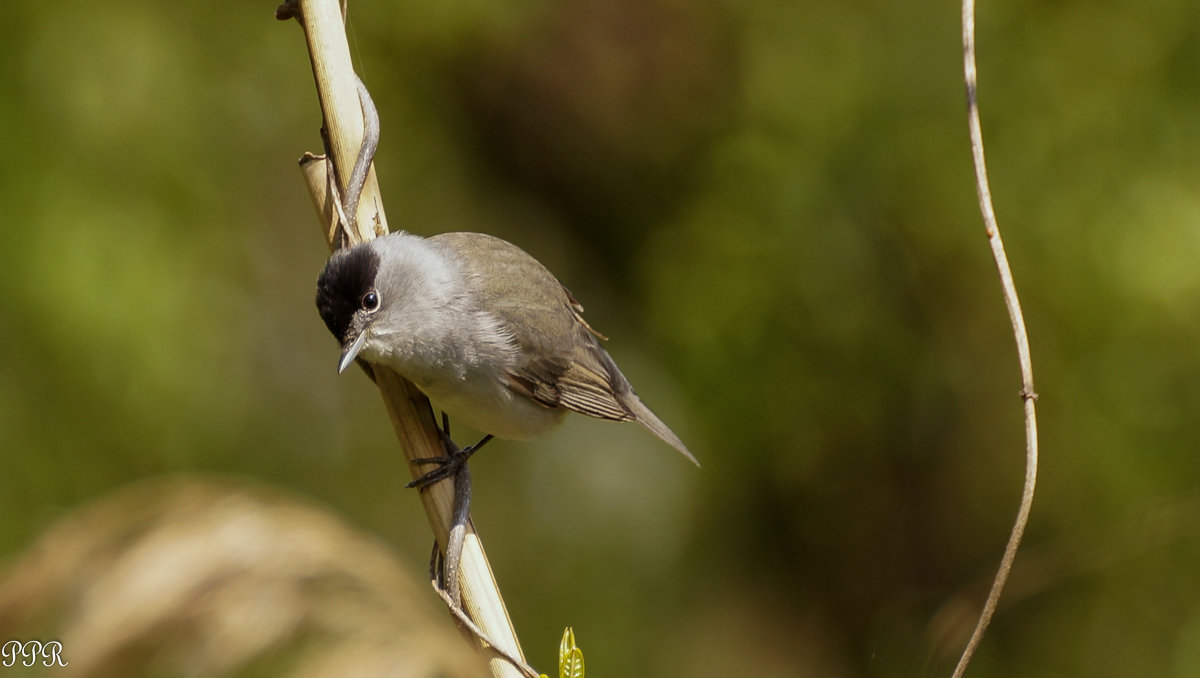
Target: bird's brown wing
[[571, 385], [593, 386]]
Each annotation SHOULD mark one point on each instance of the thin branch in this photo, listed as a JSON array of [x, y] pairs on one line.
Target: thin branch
[[435, 581], [408, 408], [1028, 395], [366, 153]]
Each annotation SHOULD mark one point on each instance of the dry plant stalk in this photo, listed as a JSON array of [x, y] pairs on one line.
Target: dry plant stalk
[[1028, 395], [199, 576], [408, 408]]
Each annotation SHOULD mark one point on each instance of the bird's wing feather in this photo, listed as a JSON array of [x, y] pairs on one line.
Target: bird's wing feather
[[576, 387]]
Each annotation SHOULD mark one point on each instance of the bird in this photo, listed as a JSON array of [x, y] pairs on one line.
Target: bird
[[482, 328]]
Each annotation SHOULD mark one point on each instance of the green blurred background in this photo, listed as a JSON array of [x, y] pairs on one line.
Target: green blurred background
[[767, 205]]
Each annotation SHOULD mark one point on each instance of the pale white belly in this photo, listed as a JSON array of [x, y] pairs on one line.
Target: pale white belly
[[485, 404]]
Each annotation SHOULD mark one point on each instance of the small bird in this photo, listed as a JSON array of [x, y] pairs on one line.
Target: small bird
[[482, 328]]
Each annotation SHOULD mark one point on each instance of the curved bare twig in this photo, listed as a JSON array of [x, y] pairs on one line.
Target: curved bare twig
[[1028, 395]]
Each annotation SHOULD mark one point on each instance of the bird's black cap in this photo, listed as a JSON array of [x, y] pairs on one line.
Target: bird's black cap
[[348, 275]]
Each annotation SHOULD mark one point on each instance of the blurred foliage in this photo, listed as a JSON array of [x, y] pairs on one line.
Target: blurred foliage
[[767, 205]]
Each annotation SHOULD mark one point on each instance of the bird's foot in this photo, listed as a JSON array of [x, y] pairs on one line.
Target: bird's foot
[[449, 464]]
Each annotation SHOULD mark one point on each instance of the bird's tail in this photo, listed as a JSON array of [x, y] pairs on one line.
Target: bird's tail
[[648, 419]]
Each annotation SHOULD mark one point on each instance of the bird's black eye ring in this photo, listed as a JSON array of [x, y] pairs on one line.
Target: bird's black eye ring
[[370, 301]]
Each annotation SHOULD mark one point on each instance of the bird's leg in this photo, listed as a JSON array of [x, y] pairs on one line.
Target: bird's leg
[[453, 464], [447, 583]]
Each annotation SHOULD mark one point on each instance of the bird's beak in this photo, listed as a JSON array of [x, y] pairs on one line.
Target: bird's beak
[[351, 351]]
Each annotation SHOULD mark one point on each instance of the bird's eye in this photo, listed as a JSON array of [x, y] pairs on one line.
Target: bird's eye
[[370, 301]]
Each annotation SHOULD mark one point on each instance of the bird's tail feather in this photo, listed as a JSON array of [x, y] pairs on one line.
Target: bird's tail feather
[[648, 419]]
